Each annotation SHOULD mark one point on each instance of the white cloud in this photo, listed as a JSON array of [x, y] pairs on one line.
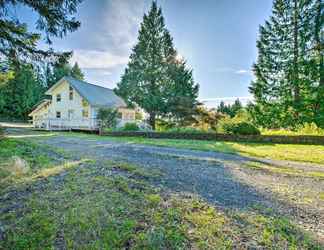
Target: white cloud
[[243, 72], [121, 22], [97, 59]]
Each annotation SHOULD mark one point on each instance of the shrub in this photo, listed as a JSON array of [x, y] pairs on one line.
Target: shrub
[[184, 130], [240, 128], [108, 117], [130, 126], [305, 129], [310, 129]]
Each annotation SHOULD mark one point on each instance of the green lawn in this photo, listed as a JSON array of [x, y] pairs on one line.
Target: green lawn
[[85, 204], [291, 152]]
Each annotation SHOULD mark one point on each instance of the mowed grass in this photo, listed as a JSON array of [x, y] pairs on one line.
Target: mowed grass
[[111, 205], [290, 152]]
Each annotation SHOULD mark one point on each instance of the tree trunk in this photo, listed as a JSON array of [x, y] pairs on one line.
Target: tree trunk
[[152, 120]]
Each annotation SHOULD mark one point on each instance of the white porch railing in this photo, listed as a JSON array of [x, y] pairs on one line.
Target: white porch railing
[[67, 124], [80, 124]]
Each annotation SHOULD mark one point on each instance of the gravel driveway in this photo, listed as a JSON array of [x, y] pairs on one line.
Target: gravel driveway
[[221, 179]]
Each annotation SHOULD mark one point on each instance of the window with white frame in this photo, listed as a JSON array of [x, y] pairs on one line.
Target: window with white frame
[[58, 114], [58, 97]]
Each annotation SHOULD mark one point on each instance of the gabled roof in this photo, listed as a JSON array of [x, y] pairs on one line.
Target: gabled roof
[[96, 95], [39, 106]]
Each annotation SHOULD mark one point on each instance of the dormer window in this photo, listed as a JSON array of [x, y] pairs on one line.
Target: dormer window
[[71, 93], [58, 97]]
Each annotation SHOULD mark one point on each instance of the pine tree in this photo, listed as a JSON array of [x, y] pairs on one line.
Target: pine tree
[[282, 88], [154, 71], [21, 92], [181, 94], [317, 61], [76, 72]]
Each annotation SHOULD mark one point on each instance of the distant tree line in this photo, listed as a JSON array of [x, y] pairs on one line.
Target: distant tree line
[[230, 109]]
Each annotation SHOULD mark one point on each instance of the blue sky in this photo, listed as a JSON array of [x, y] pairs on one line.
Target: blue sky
[[216, 37]]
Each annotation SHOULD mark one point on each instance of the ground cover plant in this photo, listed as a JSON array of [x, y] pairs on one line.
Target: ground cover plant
[[113, 205]]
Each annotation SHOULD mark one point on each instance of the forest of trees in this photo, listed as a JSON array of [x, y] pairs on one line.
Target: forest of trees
[[289, 84], [23, 85]]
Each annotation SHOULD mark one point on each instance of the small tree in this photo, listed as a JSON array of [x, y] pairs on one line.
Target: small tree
[[207, 119], [108, 117]]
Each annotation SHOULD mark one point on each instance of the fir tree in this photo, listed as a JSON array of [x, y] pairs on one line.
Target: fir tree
[[21, 92], [76, 72], [154, 78], [283, 85]]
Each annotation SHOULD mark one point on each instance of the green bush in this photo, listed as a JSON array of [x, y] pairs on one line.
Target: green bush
[[240, 128], [130, 126], [310, 129], [184, 130], [108, 117], [305, 129]]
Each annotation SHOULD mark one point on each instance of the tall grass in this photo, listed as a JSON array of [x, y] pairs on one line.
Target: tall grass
[[305, 129]]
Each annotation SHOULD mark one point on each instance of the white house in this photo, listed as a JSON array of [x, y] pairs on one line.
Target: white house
[[74, 104]]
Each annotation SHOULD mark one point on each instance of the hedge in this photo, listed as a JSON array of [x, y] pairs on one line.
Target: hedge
[[283, 139]]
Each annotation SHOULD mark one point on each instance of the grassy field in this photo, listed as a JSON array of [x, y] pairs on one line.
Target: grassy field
[[69, 203], [291, 152]]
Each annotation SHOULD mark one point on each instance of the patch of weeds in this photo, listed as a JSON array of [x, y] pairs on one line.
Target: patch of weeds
[[153, 199], [36, 230], [206, 227], [136, 170]]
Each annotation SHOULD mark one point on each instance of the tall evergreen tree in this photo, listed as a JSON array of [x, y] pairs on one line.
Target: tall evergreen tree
[[154, 78], [181, 95], [317, 61], [22, 91], [283, 85]]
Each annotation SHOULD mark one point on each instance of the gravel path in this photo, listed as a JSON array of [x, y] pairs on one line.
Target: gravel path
[[219, 178]]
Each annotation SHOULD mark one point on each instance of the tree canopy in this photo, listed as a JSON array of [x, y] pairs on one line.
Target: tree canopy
[[55, 19]]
